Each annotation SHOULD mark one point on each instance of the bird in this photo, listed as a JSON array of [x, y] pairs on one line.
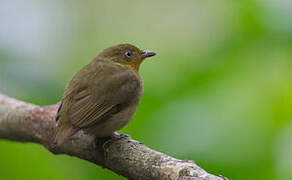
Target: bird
[[103, 96]]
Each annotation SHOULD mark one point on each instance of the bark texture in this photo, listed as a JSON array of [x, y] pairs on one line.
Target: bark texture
[[24, 122]]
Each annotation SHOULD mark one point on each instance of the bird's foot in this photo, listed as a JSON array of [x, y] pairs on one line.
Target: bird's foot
[[117, 136], [113, 138]]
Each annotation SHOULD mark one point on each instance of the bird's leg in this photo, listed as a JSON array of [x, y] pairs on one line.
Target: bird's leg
[[107, 141], [113, 138], [118, 136]]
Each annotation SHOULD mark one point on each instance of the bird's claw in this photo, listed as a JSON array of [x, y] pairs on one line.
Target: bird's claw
[[113, 138], [117, 136]]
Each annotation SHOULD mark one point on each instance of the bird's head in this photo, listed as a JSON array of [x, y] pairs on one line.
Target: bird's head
[[126, 54]]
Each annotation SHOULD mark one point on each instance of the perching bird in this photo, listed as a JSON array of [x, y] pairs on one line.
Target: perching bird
[[103, 96]]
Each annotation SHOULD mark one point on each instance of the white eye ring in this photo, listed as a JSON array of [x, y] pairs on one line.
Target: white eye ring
[[128, 54]]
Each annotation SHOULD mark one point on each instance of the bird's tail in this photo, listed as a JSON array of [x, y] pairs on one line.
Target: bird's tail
[[64, 131]]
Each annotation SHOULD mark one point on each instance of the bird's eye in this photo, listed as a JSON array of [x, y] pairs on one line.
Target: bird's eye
[[128, 54]]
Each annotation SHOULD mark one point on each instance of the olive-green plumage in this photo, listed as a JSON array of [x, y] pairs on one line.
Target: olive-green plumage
[[103, 96]]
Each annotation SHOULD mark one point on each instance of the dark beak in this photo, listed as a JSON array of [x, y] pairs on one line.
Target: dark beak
[[146, 54]]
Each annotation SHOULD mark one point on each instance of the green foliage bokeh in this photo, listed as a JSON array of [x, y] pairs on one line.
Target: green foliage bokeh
[[218, 92]]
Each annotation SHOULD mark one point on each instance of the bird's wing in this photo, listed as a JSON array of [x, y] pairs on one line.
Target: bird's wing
[[95, 105], [85, 111]]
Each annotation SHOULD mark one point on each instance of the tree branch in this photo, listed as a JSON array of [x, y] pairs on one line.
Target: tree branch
[[20, 121]]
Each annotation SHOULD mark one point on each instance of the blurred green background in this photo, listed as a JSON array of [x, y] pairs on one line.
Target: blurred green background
[[218, 92]]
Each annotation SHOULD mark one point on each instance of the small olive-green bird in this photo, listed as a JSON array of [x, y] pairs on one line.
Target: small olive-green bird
[[103, 96]]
